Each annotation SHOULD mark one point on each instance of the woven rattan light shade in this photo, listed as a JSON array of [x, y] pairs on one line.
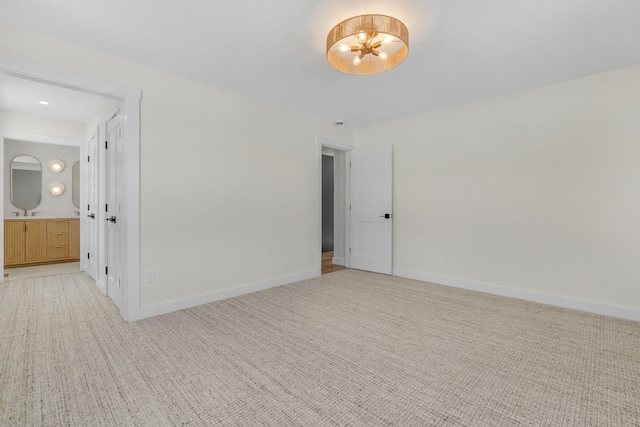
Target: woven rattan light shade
[[379, 43]]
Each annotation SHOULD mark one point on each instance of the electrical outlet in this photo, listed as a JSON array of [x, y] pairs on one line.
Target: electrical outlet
[[151, 276]]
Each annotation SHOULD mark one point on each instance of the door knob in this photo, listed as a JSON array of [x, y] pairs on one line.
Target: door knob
[[92, 216], [111, 219]]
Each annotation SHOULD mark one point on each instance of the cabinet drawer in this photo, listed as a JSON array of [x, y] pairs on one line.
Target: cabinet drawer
[[58, 251], [57, 239], [57, 226]]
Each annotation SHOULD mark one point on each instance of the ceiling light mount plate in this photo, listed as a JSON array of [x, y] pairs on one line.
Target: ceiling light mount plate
[[367, 44]]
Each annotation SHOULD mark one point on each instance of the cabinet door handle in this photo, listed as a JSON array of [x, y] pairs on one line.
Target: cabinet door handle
[[57, 247], [58, 234]]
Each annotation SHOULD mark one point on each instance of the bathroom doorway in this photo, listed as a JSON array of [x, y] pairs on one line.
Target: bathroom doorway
[[41, 202], [43, 238], [129, 219]]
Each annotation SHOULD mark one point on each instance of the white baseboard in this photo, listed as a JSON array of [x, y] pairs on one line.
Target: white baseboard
[[591, 307], [337, 260], [169, 307], [101, 286]]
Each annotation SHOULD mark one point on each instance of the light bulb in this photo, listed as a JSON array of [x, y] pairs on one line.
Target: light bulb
[[362, 37], [344, 48], [356, 60], [387, 39], [383, 55], [56, 166]]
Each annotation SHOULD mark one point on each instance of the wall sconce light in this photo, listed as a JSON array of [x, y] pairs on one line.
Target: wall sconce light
[[56, 165], [56, 188]]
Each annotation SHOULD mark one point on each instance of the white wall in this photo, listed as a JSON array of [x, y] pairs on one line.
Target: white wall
[[536, 191], [222, 176], [50, 205], [98, 118]]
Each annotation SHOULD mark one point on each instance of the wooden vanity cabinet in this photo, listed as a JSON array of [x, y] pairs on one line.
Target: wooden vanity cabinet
[[57, 238], [14, 242], [35, 241], [74, 238], [45, 241]]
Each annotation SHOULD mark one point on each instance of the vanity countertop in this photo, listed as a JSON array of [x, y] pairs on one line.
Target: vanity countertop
[[27, 218]]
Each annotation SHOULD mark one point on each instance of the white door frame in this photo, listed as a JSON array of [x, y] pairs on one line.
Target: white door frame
[[323, 142], [131, 128]]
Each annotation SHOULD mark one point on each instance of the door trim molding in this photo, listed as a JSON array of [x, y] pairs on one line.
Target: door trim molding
[[130, 98]]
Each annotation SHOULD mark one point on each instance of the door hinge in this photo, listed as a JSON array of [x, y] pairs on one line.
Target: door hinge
[[349, 250], [106, 208], [88, 158], [106, 270], [88, 207], [106, 145], [88, 255]]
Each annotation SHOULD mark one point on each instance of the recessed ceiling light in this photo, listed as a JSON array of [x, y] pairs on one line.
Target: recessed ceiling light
[[43, 103]]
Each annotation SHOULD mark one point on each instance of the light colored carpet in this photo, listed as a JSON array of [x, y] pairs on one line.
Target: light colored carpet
[[349, 348], [41, 270]]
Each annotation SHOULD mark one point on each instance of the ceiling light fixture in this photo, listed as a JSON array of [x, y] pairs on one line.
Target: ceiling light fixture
[[43, 103], [367, 44]]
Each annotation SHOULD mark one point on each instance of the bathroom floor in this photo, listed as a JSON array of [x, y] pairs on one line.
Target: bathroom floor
[[40, 270]]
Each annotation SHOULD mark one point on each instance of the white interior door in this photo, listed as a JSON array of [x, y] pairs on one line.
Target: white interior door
[[92, 207], [113, 156], [371, 209]]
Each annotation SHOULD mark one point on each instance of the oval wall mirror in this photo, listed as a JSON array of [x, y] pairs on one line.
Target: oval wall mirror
[[26, 182], [75, 184]]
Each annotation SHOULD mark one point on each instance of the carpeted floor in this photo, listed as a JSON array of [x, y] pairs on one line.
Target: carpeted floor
[[348, 348]]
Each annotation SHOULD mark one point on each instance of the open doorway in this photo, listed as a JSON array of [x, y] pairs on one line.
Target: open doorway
[[42, 204], [129, 150], [333, 233]]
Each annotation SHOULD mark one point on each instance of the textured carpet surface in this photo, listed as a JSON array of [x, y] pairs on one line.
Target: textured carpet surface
[[349, 348]]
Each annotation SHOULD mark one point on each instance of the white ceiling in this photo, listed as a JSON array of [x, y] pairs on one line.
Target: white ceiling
[[24, 96], [460, 50]]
